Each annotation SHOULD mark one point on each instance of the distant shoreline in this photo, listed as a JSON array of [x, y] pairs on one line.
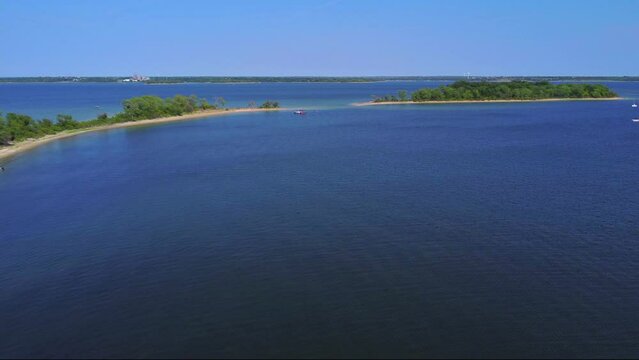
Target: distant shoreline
[[29, 144], [305, 79], [370, 103]]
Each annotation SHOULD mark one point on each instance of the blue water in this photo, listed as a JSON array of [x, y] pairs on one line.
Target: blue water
[[476, 230], [87, 100]]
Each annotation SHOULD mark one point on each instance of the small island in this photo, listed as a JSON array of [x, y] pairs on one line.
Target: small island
[[20, 132], [466, 91]]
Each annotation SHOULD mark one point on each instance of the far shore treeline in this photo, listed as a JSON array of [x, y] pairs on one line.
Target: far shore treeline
[[305, 79], [514, 90], [19, 127]]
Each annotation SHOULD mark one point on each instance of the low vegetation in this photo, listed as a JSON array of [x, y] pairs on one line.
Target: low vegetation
[[270, 105], [18, 127], [513, 90]]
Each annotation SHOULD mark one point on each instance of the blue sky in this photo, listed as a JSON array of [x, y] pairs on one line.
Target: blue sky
[[331, 37]]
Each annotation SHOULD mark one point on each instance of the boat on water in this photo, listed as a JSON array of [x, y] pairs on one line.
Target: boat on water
[[299, 112], [635, 120], [634, 105]]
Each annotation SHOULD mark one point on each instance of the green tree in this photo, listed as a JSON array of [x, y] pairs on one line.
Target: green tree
[[180, 104], [144, 107], [5, 136], [21, 127], [220, 102], [205, 105], [270, 105], [514, 90], [46, 126], [66, 122]]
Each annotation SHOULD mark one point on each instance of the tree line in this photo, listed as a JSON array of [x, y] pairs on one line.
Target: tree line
[[513, 90], [18, 127], [247, 79]]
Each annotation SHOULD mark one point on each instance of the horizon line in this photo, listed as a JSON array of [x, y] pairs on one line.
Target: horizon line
[[304, 76]]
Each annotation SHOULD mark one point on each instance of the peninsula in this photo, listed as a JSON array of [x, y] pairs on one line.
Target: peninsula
[[513, 91], [19, 132]]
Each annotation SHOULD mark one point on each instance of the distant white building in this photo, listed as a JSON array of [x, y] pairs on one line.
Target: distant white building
[[136, 78]]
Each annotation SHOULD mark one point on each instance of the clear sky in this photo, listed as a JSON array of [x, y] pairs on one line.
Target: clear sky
[[319, 37]]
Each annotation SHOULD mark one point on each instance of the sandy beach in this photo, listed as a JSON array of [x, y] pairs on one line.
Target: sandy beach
[[370, 103], [33, 143], [25, 145]]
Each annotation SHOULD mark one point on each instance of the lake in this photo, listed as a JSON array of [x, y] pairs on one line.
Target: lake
[[458, 230]]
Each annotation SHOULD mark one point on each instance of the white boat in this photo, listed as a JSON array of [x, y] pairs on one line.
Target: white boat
[[299, 112], [634, 105], [635, 120]]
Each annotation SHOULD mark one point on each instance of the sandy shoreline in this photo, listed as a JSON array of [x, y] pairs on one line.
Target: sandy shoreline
[[33, 143], [23, 146], [370, 103]]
